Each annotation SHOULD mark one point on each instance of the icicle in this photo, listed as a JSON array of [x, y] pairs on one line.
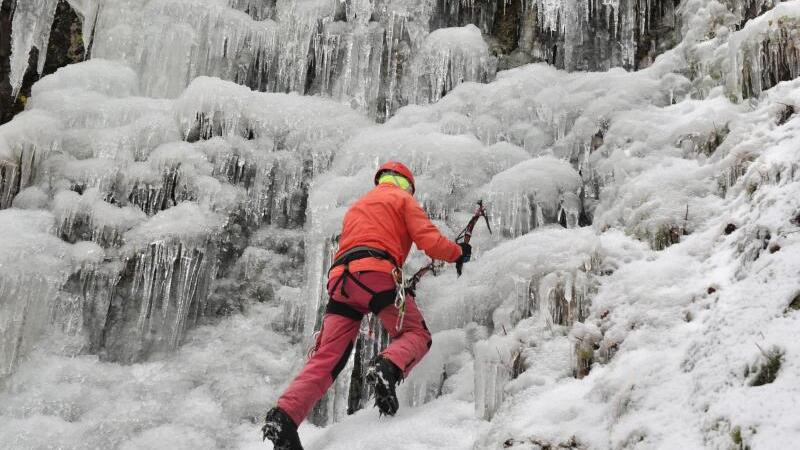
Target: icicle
[[532, 194], [168, 279], [30, 28], [448, 57], [33, 265], [30, 138], [88, 10], [492, 373]]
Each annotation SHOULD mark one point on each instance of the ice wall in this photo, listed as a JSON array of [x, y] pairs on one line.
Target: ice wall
[[34, 265], [32, 22], [357, 52], [549, 149], [375, 55], [153, 198], [168, 192]]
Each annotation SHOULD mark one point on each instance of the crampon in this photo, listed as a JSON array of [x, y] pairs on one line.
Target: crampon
[[384, 376], [281, 430]]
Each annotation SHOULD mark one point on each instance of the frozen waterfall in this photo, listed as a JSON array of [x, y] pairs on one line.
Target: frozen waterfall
[[170, 204]]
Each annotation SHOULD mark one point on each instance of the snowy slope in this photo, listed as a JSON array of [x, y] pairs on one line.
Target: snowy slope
[[162, 262]]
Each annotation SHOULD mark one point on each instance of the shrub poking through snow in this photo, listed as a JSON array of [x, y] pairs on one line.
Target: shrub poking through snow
[[666, 236], [786, 113], [738, 441], [586, 339], [795, 303], [542, 444], [767, 369], [705, 144]]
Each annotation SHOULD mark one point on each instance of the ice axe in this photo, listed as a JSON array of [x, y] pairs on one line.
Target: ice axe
[[464, 236]]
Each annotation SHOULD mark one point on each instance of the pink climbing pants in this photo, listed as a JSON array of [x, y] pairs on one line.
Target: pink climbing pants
[[337, 338]]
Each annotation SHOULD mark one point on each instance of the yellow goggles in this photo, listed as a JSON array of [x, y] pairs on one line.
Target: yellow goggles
[[397, 180]]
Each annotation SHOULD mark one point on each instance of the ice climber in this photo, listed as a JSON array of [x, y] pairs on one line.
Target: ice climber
[[365, 277]]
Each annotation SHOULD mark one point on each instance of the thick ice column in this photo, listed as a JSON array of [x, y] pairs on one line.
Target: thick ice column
[[493, 370], [171, 43], [298, 22], [30, 28], [83, 303], [165, 283], [167, 279], [24, 144], [764, 52], [348, 63], [533, 193], [319, 255], [448, 57], [33, 265]]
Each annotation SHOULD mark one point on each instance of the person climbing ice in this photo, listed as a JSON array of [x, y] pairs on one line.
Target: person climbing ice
[[366, 276]]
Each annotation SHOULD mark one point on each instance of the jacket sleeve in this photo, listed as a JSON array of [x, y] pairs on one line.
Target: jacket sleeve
[[425, 234]]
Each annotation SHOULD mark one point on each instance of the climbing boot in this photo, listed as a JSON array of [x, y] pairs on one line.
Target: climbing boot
[[384, 376], [281, 430]]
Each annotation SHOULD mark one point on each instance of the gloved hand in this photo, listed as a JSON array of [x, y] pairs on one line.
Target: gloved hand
[[466, 254]]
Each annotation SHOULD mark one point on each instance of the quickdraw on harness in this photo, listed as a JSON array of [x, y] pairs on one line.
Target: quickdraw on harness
[[400, 296], [465, 236]]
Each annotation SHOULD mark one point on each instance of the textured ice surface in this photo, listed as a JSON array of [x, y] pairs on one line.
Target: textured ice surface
[[354, 51], [166, 232]]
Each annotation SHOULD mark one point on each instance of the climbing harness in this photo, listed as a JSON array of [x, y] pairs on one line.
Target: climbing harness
[[396, 296], [380, 300]]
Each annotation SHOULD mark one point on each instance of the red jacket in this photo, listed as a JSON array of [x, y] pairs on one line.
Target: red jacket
[[390, 219]]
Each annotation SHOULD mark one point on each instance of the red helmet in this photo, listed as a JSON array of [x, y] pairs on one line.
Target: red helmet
[[397, 167]]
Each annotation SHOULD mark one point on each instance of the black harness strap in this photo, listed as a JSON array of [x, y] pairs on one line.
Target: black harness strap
[[361, 253], [381, 300], [343, 309], [354, 254]]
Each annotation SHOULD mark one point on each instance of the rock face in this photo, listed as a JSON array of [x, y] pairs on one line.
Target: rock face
[[575, 35], [8, 105]]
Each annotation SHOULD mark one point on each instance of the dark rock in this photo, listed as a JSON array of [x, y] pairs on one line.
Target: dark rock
[[505, 28], [755, 8], [766, 371], [66, 40], [10, 106], [795, 303], [730, 228]]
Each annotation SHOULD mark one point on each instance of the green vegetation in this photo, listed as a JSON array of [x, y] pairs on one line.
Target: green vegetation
[[795, 303], [767, 370]]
